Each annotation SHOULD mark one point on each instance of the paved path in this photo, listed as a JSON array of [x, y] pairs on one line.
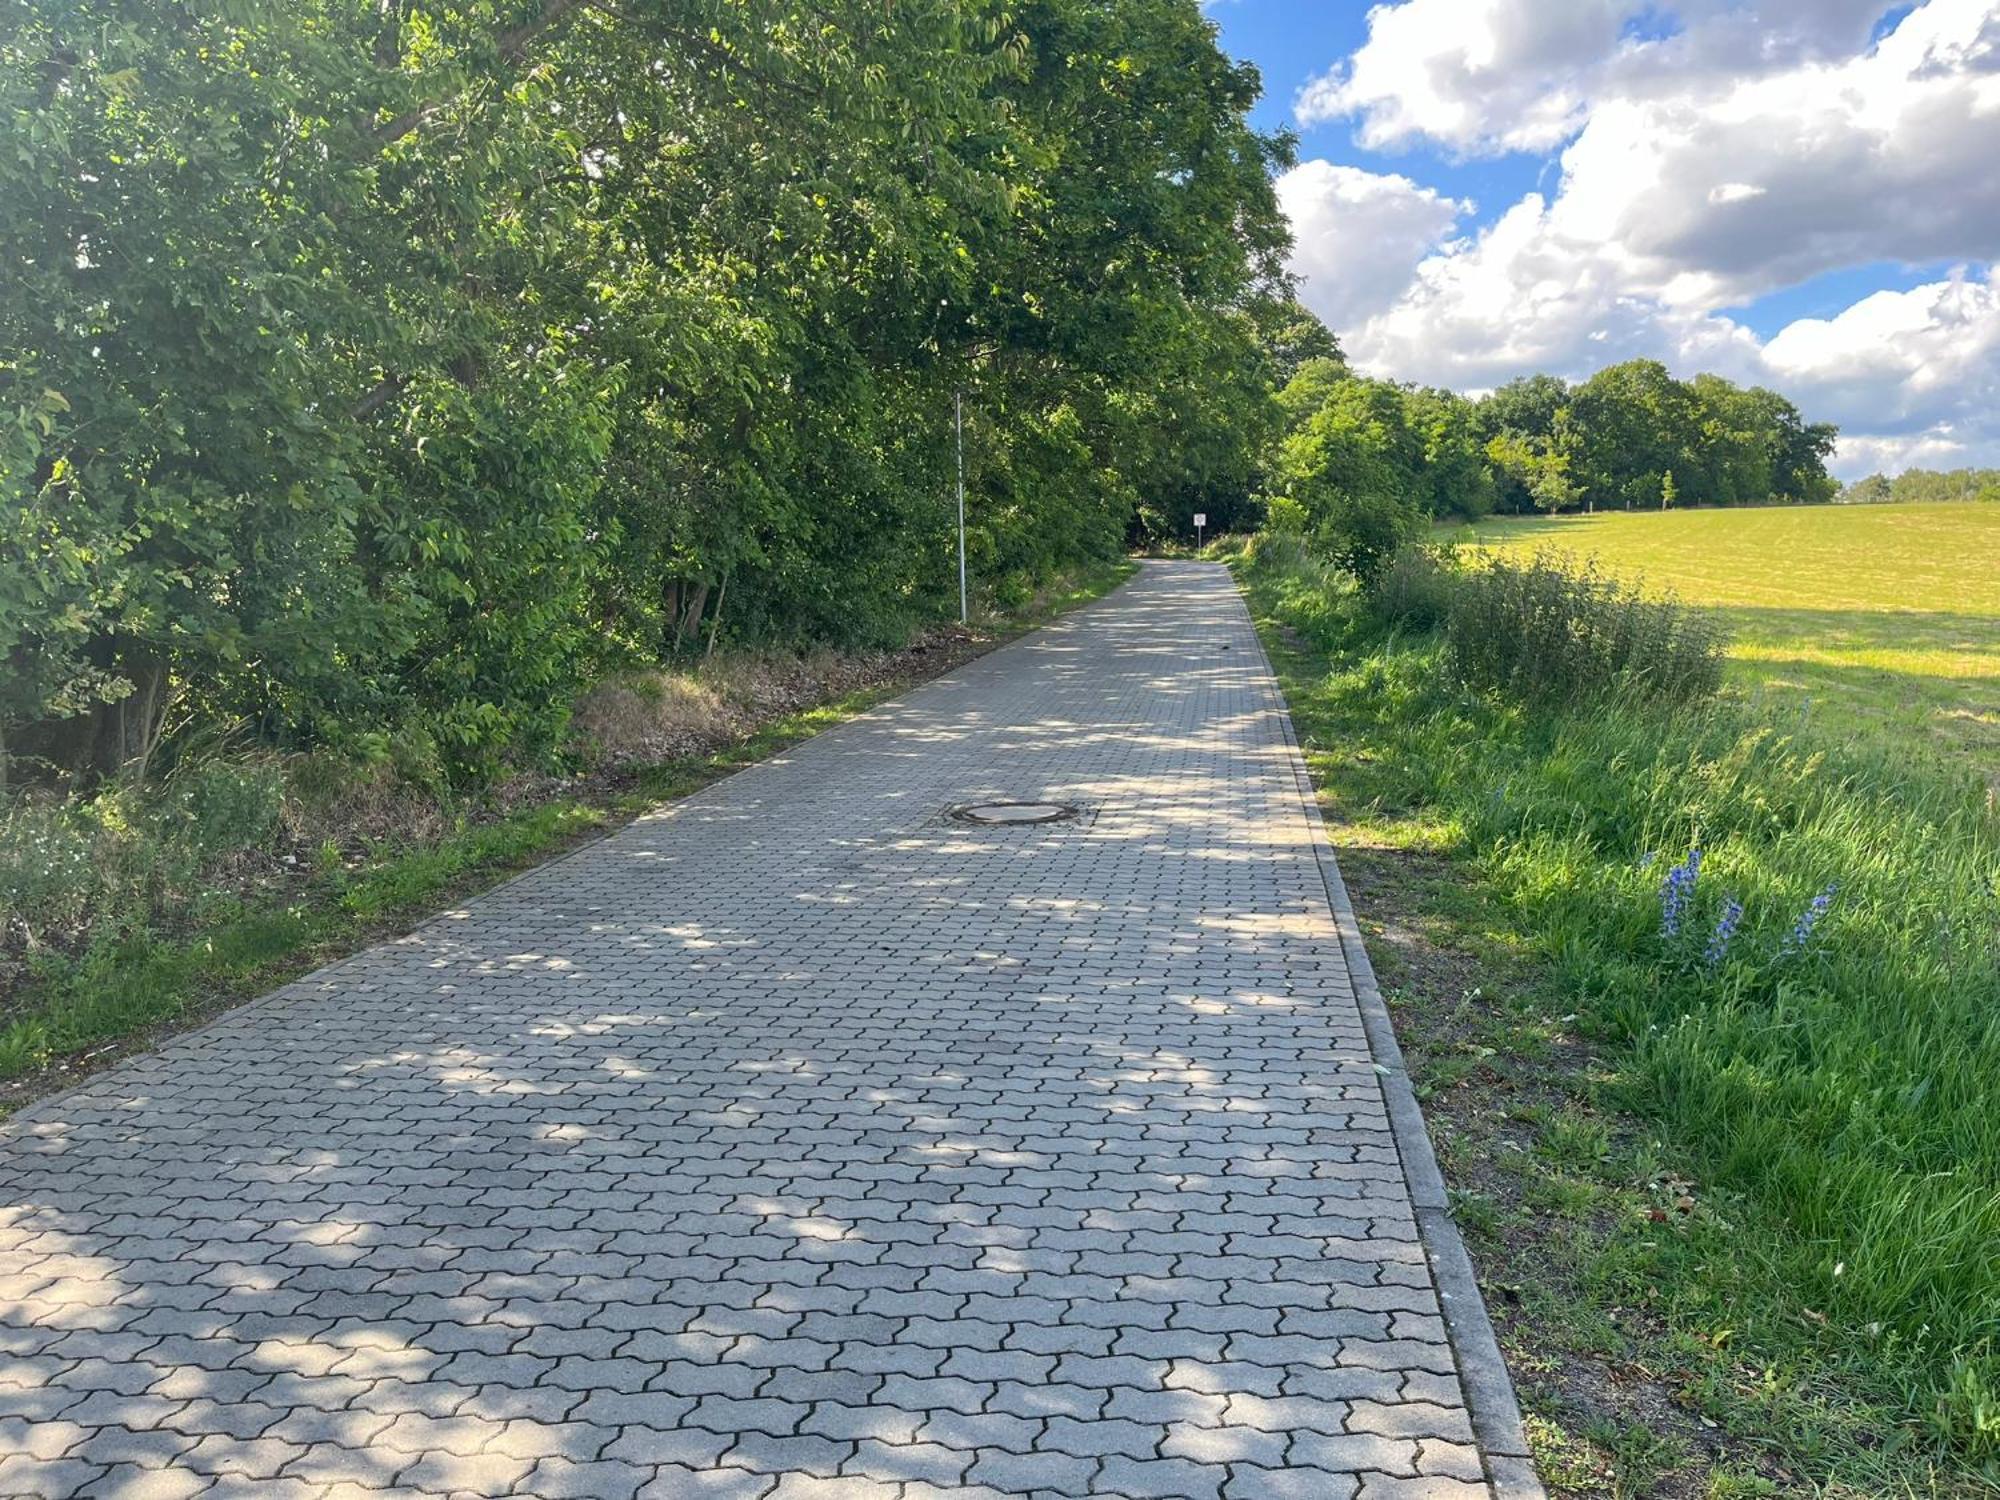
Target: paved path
[[795, 1142]]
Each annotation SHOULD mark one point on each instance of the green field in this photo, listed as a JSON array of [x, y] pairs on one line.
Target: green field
[[1883, 617]]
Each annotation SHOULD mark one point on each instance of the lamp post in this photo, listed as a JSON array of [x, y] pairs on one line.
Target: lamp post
[[958, 420]]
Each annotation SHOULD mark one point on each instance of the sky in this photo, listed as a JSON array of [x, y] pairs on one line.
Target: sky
[[1803, 194]]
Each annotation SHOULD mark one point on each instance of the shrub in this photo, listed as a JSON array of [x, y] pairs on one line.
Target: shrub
[[102, 865], [1551, 631], [1361, 530], [1284, 516], [211, 808], [48, 872], [1414, 590]]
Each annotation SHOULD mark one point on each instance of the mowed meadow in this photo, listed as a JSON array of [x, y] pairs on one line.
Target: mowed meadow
[[1879, 618]]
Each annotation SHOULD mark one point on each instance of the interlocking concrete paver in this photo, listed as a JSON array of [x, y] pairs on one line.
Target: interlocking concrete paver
[[797, 1141]]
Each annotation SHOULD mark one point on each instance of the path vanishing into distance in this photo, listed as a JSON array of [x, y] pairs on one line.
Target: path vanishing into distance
[[801, 1141]]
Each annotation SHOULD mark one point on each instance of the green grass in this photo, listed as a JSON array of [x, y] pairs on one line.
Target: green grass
[[76, 1009], [1883, 618], [1831, 1291]]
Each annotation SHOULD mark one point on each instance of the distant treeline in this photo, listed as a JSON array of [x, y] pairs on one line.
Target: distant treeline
[[1630, 437], [1913, 486], [1367, 463]]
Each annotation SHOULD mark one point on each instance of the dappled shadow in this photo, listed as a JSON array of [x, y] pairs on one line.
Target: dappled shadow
[[794, 1130]]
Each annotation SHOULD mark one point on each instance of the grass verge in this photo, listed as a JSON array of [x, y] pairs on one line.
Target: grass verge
[[77, 1014], [1737, 1216]]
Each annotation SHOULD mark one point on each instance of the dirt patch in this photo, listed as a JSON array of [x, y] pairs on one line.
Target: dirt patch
[[643, 718]]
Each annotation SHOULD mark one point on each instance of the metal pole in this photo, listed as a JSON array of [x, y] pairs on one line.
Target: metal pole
[[958, 417]]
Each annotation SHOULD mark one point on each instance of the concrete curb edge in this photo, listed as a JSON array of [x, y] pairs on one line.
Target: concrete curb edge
[[1489, 1389]]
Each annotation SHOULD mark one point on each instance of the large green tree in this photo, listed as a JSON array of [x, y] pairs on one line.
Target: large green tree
[[384, 367]]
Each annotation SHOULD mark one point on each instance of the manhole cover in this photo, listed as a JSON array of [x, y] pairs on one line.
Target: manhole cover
[[1008, 814]]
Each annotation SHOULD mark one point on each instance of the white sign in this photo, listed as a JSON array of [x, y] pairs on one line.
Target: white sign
[[1200, 519]]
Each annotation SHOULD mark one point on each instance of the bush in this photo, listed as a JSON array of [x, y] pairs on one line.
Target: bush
[[49, 872], [1284, 516], [100, 866], [1361, 530], [1553, 631], [1414, 591]]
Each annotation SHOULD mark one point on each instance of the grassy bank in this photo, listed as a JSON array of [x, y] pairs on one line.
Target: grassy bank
[[1724, 1143], [198, 920], [1883, 618]]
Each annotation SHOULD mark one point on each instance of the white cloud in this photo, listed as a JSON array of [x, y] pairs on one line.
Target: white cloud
[[1743, 157], [1470, 73], [1901, 371], [1361, 234], [1480, 76], [1938, 448], [1726, 190]]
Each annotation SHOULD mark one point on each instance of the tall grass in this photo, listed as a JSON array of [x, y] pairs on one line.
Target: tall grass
[[1810, 1009], [1553, 630]]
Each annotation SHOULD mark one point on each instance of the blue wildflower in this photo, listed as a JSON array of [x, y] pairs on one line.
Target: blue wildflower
[[1802, 929], [1725, 929], [1649, 859], [1676, 891]]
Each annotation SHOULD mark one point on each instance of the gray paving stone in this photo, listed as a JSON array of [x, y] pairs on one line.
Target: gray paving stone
[[1027, 1473], [22, 1475], [795, 1141], [601, 1479], [1161, 1479], [148, 1482], [1247, 1482]]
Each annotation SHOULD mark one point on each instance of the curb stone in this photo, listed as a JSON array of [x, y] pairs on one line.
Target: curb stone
[[1489, 1390]]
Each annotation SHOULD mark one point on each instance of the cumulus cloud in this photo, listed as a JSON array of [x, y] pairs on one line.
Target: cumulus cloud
[[1902, 372], [1481, 76], [1749, 153], [1471, 73], [1361, 234], [1724, 191]]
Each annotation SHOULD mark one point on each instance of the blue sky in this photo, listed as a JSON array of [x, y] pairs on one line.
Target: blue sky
[[1797, 193]]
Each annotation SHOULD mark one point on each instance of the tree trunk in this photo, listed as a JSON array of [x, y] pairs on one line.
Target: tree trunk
[[691, 621]]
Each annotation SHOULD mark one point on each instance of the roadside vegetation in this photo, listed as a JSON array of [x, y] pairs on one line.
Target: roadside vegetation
[[1703, 1005], [1393, 457], [1879, 620], [374, 378], [146, 907], [428, 431]]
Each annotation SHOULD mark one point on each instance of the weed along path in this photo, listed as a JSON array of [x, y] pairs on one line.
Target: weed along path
[[819, 1136]]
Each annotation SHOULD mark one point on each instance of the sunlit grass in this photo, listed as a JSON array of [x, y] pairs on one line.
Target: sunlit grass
[[1831, 1093], [1883, 620]]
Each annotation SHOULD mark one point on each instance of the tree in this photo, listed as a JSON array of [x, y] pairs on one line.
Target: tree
[[1624, 428], [1453, 477], [375, 369], [1352, 465], [1516, 424], [1291, 335]]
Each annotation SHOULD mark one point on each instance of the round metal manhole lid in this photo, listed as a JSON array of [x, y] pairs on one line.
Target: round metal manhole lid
[[1012, 814]]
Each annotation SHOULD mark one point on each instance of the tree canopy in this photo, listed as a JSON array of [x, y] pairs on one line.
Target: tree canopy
[[374, 369], [1919, 485]]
